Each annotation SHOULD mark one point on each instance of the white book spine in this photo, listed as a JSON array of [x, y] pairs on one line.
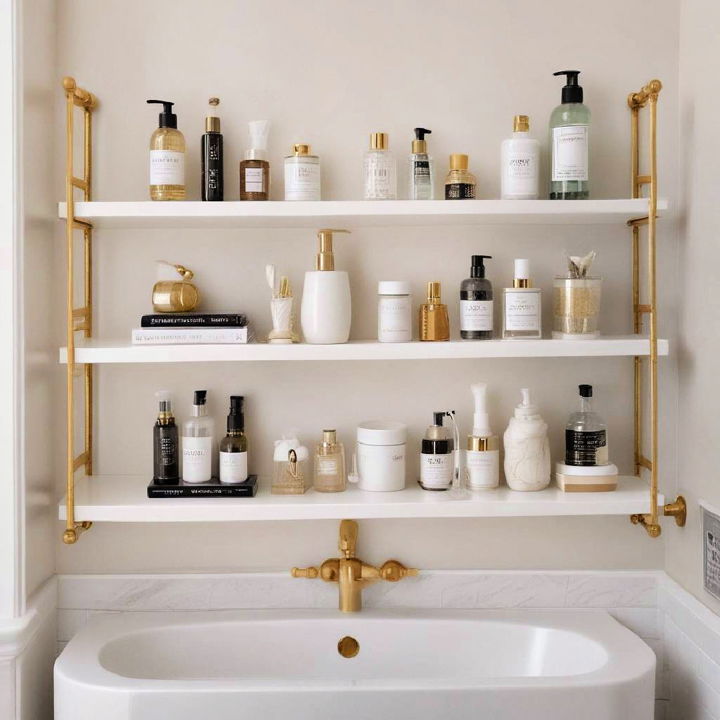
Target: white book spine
[[190, 336]]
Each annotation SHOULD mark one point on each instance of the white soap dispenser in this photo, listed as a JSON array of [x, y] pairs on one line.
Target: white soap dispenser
[[482, 460], [325, 309], [527, 449]]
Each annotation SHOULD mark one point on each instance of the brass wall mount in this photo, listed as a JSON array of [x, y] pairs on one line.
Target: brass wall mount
[[647, 97], [352, 574], [78, 319]]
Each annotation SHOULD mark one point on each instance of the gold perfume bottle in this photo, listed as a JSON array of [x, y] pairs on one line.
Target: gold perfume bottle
[[329, 464], [434, 321], [170, 295]]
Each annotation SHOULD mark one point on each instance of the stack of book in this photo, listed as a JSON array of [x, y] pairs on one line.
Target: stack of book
[[192, 329]]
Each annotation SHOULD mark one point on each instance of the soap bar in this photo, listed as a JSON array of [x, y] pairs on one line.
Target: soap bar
[[597, 478]]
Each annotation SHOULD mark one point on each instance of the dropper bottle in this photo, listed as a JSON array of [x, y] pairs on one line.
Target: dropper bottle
[[166, 466], [422, 186]]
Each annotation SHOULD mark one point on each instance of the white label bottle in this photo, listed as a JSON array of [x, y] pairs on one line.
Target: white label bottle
[[522, 306], [380, 170], [302, 174], [234, 446], [197, 442], [436, 457], [167, 157], [520, 162], [482, 459]]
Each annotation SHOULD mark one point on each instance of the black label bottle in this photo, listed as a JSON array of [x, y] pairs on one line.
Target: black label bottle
[[436, 457], [166, 467], [586, 434], [476, 302], [459, 182], [212, 157], [234, 446]]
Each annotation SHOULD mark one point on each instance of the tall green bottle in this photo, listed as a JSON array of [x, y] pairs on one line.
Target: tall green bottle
[[569, 143]]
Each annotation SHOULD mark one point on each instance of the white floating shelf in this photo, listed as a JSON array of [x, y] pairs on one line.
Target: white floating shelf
[[98, 351], [124, 499], [356, 213]]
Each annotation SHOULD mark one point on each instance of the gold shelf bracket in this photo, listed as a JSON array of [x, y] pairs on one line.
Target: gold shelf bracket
[[78, 319], [647, 97]]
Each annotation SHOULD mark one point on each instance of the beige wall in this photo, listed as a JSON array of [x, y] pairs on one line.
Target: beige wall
[[699, 342], [329, 74]]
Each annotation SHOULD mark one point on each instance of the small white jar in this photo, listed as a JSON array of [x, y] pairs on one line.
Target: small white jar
[[394, 311], [381, 455]]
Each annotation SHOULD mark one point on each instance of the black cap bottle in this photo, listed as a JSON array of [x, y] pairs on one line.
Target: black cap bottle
[[234, 446], [167, 156], [476, 302]]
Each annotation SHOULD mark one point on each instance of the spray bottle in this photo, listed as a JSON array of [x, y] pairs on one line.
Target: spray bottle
[[255, 168], [482, 466], [527, 449]]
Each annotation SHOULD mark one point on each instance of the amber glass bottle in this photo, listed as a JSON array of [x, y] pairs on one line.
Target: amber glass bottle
[[255, 169]]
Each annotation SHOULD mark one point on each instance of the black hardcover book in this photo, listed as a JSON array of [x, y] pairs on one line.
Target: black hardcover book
[[194, 320], [212, 488]]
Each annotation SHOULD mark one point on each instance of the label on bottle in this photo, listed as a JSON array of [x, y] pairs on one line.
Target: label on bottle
[[302, 180], [482, 469], [586, 448], [521, 174], [327, 466], [233, 467], [436, 471], [476, 315], [394, 318], [197, 459], [380, 177], [167, 448], [167, 167], [459, 191], [522, 311], [254, 179], [570, 153]]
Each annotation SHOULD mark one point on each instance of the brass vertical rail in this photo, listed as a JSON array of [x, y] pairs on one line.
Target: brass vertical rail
[[648, 96], [78, 319]]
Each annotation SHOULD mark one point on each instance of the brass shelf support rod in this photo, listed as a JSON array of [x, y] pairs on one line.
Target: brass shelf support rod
[[78, 319], [647, 97]]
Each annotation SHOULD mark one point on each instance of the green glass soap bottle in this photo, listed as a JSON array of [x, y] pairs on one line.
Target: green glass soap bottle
[[569, 134]]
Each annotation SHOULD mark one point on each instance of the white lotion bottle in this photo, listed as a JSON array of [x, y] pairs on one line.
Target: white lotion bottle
[[325, 311], [527, 449], [197, 442], [482, 459], [520, 162]]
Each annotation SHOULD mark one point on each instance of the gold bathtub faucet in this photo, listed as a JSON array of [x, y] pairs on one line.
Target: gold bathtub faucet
[[350, 573]]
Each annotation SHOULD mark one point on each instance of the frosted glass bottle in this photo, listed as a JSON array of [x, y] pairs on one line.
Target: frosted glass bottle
[[519, 162], [380, 170]]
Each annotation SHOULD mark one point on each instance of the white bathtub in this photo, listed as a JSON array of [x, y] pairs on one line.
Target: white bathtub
[[419, 665]]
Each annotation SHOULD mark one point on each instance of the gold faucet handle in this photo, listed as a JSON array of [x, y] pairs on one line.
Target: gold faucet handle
[[348, 538], [308, 572], [393, 571]]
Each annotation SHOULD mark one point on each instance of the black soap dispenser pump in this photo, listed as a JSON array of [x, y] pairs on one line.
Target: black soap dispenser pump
[[476, 302], [212, 157], [569, 142]]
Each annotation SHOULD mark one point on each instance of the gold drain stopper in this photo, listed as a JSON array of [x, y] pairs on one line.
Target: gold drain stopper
[[348, 647]]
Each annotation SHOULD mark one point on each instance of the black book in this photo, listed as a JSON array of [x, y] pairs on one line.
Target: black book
[[194, 320], [212, 488]]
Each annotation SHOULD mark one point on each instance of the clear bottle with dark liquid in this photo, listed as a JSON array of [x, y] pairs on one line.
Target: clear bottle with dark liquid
[[166, 467]]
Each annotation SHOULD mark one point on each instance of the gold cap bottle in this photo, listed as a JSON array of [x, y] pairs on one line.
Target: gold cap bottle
[[301, 149], [458, 161], [434, 320], [212, 122]]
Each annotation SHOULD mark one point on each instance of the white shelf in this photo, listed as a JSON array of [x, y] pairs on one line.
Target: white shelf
[[356, 213], [124, 499], [98, 351]]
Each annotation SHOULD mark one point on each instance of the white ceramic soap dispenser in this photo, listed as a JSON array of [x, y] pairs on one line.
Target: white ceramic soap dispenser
[[325, 309], [527, 449]]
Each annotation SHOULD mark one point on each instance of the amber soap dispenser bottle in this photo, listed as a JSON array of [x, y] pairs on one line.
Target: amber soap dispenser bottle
[[167, 156], [434, 321]]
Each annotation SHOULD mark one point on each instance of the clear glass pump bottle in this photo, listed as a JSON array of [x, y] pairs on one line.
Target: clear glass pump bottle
[[234, 446], [436, 456], [329, 464], [380, 169], [476, 302], [569, 143], [586, 434], [167, 156], [197, 442], [421, 181]]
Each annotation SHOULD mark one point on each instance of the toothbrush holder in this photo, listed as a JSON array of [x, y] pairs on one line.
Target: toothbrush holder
[[281, 311]]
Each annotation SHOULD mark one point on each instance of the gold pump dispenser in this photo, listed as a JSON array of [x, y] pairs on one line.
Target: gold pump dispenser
[[325, 259]]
